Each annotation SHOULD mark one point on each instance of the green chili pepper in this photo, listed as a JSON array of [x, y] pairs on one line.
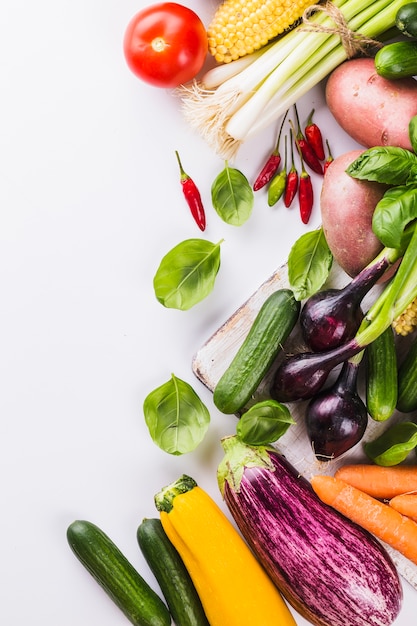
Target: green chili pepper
[[393, 445], [277, 185]]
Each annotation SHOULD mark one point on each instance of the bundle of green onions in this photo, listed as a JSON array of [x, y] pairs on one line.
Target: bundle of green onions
[[236, 100]]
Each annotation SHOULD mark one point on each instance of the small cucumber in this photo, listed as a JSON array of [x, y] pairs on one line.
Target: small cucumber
[[119, 579], [381, 376], [270, 328], [407, 381], [397, 60], [406, 19], [170, 572]]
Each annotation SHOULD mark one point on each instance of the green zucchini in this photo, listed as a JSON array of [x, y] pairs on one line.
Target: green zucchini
[[270, 328], [397, 60], [115, 574], [407, 380], [381, 376], [406, 19], [170, 572]]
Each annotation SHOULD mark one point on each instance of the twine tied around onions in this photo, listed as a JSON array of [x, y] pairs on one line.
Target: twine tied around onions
[[354, 43]]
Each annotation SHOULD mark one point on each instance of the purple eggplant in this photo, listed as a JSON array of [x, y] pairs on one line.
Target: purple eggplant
[[329, 569], [336, 418]]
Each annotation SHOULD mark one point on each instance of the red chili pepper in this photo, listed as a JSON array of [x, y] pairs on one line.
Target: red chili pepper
[[192, 196], [272, 163], [329, 158], [314, 137], [305, 196], [305, 191], [305, 148], [292, 179]]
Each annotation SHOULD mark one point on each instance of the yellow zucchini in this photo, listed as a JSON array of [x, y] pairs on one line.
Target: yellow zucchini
[[233, 587]]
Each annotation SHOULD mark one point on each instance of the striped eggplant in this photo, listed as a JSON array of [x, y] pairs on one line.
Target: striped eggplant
[[329, 569]]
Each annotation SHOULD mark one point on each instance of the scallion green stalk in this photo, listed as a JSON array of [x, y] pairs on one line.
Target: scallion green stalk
[[227, 113], [394, 299], [369, 22]]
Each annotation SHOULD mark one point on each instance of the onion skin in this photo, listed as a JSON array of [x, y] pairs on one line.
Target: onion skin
[[331, 317], [336, 418], [329, 569]]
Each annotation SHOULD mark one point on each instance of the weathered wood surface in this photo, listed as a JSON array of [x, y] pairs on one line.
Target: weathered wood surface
[[211, 360]]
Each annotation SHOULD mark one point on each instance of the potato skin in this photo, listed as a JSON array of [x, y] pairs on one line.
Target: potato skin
[[373, 110], [347, 206]]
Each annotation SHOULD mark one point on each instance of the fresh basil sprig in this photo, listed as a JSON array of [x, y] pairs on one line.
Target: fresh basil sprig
[[388, 165], [265, 422], [309, 263], [187, 273], [397, 168], [232, 196], [393, 213], [176, 418], [394, 445]]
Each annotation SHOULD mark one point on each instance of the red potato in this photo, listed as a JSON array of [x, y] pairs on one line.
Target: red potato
[[374, 111], [347, 206]]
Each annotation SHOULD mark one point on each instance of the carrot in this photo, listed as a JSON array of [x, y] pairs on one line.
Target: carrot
[[380, 482], [406, 504], [387, 524]]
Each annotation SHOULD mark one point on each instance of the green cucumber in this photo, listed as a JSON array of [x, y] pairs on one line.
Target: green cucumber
[[381, 376], [406, 19], [397, 60], [407, 380], [115, 574], [270, 328], [170, 572]]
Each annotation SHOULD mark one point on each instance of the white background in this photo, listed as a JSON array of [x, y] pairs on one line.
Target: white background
[[90, 201]]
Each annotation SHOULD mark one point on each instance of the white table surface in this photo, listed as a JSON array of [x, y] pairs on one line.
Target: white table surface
[[90, 201]]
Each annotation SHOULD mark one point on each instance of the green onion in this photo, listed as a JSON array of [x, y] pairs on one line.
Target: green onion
[[395, 298], [228, 108]]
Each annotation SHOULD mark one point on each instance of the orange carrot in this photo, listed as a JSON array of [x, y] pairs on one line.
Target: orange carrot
[[387, 524], [406, 504], [380, 482]]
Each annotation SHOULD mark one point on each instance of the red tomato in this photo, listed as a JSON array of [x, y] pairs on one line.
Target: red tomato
[[165, 44]]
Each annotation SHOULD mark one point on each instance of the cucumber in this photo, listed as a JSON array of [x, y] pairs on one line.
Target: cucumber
[[406, 19], [170, 572], [407, 381], [397, 60], [270, 328], [381, 376], [119, 579]]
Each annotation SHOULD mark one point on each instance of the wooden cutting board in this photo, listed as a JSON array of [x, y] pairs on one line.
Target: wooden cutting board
[[211, 360]]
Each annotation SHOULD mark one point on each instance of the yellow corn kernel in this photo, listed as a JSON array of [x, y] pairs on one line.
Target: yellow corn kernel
[[406, 323], [254, 22]]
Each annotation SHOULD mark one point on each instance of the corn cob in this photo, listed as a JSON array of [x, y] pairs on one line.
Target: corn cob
[[406, 323], [240, 27]]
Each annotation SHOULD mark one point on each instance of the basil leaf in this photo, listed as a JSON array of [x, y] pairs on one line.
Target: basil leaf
[[394, 211], [412, 132], [232, 196], [309, 264], [176, 417], [264, 423], [390, 165], [394, 445], [187, 273]]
